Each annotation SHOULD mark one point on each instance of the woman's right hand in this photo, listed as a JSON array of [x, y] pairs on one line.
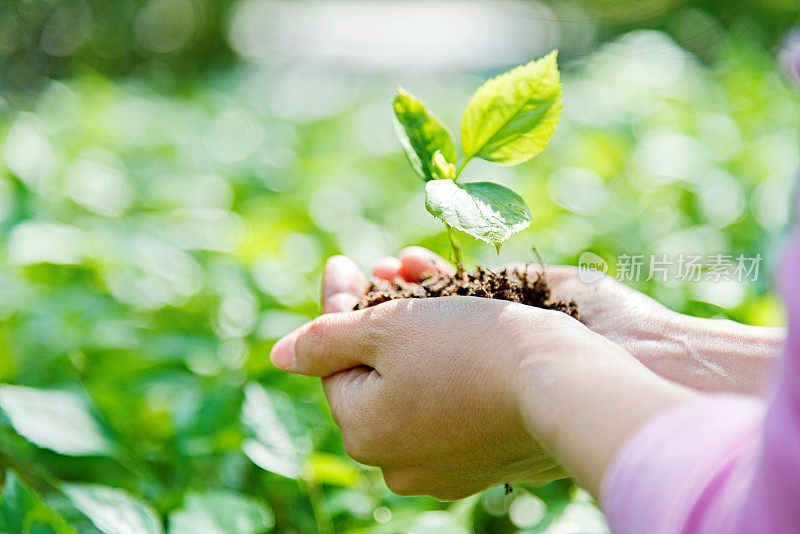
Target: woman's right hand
[[704, 354]]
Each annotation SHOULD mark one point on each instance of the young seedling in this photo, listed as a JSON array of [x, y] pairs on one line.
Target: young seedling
[[508, 120]]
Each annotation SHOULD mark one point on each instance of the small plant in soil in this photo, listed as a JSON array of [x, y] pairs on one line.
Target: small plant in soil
[[508, 121]]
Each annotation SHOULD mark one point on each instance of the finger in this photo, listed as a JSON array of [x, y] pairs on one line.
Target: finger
[[387, 269], [357, 400], [558, 274], [420, 262], [342, 285], [339, 303], [347, 390], [328, 344]]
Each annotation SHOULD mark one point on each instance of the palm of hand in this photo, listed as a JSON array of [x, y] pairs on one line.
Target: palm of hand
[[606, 306]]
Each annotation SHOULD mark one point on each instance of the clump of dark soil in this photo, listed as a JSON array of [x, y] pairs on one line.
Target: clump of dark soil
[[505, 284]]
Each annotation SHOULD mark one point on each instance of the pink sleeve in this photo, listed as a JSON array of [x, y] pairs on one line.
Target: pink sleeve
[[721, 464]]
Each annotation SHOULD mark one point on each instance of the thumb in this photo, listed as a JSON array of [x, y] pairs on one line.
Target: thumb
[[330, 343]]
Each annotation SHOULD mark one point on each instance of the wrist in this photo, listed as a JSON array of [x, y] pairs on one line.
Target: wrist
[[711, 355], [547, 380], [581, 409]]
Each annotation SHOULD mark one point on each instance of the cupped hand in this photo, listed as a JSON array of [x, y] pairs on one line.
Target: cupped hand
[[437, 392], [606, 306]]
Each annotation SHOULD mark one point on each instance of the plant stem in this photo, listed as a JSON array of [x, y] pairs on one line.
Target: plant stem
[[318, 506], [538, 257], [455, 245], [461, 168]]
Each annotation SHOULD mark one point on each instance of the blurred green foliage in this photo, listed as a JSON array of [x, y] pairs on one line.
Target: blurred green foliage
[[155, 243], [177, 40], [55, 38]]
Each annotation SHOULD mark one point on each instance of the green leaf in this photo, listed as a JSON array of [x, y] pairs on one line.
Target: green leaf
[[443, 169], [272, 448], [511, 118], [220, 512], [484, 210], [56, 420], [22, 511], [326, 468], [112, 510], [421, 134]]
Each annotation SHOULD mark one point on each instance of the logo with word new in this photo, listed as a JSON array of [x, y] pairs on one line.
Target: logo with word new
[[591, 268]]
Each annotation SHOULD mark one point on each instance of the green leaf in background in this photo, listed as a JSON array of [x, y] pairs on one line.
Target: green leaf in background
[[273, 448], [485, 210], [56, 420], [421, 134], [511, 118], [326, 468], [22, 511], [220, 512], [112, 510]]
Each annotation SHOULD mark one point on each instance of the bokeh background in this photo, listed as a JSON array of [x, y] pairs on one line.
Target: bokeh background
[[173, 174]]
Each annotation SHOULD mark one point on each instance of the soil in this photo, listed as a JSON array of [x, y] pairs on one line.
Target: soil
[[505, 284]]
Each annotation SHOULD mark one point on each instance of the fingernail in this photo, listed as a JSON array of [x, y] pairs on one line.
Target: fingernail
[[282, 354]]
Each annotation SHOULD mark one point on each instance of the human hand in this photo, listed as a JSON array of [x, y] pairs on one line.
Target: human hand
[[450, 395], [704, 354], [606, 306]]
